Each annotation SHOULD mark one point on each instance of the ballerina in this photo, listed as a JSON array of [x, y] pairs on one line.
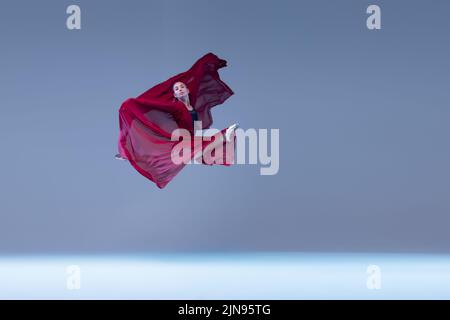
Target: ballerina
[[181, 92], [181, 102]]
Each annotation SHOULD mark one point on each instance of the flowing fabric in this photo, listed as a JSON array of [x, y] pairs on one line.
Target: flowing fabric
[[147, 121]]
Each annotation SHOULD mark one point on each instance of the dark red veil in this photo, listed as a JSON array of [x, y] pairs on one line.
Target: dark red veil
[[146, 122]]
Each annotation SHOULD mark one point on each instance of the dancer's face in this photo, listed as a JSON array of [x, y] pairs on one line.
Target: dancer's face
[[180, 90]]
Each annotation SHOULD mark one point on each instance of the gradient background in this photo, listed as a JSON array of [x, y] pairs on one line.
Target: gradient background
[[363, 118]]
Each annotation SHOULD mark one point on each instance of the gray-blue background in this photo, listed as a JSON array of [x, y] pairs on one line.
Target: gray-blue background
[[363, 118]]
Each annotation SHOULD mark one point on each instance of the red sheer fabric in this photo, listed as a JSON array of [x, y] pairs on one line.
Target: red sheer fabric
[[146, 122]]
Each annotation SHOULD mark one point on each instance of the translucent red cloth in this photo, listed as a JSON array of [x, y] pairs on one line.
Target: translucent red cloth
[[147, 121]]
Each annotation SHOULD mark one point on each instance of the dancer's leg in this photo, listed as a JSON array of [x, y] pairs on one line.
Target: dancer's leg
[[222, 144], [218, 140]]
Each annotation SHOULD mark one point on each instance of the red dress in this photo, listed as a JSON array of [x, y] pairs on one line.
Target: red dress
[[146, 122]]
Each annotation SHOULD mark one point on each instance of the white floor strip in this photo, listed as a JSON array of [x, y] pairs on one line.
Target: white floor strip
[[226, 276]]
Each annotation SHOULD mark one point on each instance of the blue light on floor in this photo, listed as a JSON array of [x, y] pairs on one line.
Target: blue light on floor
[[226, 276]]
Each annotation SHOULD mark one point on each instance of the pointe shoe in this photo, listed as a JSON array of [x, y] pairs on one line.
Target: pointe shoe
[[230, 131], [119, 157]]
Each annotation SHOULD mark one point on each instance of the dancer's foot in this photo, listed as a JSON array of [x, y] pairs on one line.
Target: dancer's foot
[[119, 157], [230, 131]]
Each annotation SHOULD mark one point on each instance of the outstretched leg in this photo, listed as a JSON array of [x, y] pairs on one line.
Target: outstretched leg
[[206, 152], [218, 142]]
